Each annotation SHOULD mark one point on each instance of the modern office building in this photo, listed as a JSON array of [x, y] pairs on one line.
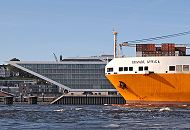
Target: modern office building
[[79, 74]]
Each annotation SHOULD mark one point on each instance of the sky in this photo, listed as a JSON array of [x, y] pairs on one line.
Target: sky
[[32, 30]]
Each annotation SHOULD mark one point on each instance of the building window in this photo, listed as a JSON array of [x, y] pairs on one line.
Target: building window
[[178, 67], [146, 68], [185, 67], [130, 68], [120, 68], [125, 68], [140, 68], [109, 69], [171, 68]]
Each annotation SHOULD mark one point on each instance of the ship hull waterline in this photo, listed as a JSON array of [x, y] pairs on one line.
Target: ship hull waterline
[[154, 88]]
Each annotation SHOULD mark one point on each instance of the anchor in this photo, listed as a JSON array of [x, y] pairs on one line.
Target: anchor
[[122, 85]]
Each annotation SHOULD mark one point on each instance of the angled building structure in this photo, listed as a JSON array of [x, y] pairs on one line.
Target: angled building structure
[[79, 74]]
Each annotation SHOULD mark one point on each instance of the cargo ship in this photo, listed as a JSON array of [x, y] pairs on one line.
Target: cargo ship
[[158, 73]]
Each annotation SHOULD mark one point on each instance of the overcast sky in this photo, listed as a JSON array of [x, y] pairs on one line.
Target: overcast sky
[[31, 30]]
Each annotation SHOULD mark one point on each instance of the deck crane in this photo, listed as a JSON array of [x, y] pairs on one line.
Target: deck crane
[[124, 44], [55, 57]]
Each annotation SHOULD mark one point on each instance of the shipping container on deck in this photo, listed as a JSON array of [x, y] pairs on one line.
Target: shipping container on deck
[[151, 47], [158, 49], [182, 50], [158, 53], [164, 49], [168, 53], [139, 47], [168, 47], [148, 53], [145, 47]]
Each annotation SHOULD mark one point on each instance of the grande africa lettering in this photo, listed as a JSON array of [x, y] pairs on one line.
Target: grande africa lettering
[[147, 61]]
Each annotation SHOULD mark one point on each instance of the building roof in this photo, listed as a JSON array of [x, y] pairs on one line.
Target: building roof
[[5, 94]]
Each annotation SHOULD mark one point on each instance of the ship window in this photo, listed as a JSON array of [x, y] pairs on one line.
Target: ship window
[[171, 68], [120, 68], [125, 68], [140, 68], [178, 67], [185, 67], [109, 69], [130, 68], [146, 68]]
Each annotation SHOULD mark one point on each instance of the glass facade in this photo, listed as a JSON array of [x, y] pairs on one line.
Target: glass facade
[[75, 75]]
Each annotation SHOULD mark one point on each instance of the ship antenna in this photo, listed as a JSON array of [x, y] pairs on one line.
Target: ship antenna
[[115, 43]]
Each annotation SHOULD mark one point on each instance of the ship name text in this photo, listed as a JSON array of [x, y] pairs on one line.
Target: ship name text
[[147, 61]]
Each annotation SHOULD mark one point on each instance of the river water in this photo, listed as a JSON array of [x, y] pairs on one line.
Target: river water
[[92, 117]]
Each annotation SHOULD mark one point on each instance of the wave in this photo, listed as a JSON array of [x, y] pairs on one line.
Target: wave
[[165, 109]]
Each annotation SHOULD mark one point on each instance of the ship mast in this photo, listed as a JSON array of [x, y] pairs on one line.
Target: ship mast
[[115, 43]]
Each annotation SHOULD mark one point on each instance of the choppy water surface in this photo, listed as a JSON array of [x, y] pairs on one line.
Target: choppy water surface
[[58, 117]]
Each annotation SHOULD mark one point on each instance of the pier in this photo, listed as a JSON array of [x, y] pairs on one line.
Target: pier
[[88, 100]]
